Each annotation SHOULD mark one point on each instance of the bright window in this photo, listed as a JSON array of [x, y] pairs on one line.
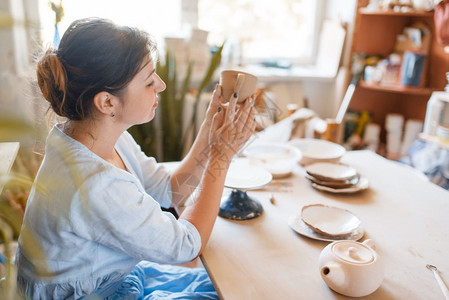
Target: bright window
[[254, 30], [159, 18], [263, 29]]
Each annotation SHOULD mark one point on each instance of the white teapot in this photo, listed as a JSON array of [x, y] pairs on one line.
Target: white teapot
[[351, 268]]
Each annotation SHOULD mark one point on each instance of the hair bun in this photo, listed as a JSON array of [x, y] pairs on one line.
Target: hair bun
[[51, 78]]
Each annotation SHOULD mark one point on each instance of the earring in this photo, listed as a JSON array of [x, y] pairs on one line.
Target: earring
[[112, 114]]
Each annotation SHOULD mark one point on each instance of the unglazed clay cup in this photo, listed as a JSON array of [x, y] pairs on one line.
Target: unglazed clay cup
[[233, 81]]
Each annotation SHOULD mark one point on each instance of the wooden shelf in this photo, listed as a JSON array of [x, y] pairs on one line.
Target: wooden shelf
[[376, 32], [434, 139], [367, 12], [396, 89]]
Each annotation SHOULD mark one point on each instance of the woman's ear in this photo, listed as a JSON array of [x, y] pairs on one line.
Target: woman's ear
[[106, 103]]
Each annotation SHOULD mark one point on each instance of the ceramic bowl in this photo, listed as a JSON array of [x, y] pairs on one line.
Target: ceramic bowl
[[314, 150], [278, 159], [229, 80], [327, 220]]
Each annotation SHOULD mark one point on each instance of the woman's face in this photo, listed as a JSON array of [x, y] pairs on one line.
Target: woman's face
[[140, 98]]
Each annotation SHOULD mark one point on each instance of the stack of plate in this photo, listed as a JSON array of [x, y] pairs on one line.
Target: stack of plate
[[327, 223], [335, 178]]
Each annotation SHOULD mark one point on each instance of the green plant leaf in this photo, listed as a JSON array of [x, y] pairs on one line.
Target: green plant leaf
[[11, 217], [166, 129], [213, 65]]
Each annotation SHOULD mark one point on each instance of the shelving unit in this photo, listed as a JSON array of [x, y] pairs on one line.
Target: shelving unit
[[397, 89], [364, 11], [435, 140], [375, 33]]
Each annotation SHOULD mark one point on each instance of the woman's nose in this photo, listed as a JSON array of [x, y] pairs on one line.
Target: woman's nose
[[161, 84]]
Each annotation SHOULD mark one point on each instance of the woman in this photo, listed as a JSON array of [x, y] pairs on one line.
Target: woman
[[93, 223]]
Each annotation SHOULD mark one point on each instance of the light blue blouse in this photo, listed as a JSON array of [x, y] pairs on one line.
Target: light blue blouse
[[88, 223]]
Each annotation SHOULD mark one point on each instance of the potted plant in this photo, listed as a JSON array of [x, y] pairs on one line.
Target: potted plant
[[164, 137]]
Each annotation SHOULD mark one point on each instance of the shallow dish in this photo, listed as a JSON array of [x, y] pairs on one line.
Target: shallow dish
[[328, 220], [300, 227], [278, 159], [361, 185], [335, 184], [244, 176], [314, 150], [331, 172]]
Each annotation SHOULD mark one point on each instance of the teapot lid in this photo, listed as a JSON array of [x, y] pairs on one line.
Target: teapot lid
[[353, 252]]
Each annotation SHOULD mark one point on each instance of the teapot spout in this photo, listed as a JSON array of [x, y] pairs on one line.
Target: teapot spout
[[333, 275]]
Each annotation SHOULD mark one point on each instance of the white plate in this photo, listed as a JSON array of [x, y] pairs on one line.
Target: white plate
[[300, 227], [244, 176], [314, 150], [278, 159], [335, 184], [330, 171], [328, 220], [361, 185]]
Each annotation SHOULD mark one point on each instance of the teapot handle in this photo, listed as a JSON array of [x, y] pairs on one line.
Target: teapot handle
[[370, 243]]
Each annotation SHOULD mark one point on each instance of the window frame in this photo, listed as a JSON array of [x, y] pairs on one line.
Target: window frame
[[298, 61]]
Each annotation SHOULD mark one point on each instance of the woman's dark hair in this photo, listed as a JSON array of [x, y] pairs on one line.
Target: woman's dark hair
[[94, 55]]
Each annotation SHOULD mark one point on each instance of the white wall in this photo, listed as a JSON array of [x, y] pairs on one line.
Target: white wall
[[344, 10], [323, 96], [21, 110], [16, 30]]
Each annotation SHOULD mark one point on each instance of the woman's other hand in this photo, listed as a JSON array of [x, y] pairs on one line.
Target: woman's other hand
[[232, 126], [229, 127], [214, 104]]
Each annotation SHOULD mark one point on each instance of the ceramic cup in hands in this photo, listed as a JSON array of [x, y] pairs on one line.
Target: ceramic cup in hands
[[233, 81]]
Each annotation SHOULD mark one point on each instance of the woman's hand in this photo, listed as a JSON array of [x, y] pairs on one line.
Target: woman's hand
[[202, 139], [214, 104], [232, 126]]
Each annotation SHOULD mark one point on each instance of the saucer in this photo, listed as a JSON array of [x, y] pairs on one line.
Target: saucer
[[328, 220], [331, 172], [244, 176], [361, 185], [335, 184], [300, 227]]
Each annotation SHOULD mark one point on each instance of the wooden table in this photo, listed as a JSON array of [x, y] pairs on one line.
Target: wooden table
[[407, 217]]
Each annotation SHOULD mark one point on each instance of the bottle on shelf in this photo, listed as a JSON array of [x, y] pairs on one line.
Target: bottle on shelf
[[394, 126], [446, 88], [433, 115]]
